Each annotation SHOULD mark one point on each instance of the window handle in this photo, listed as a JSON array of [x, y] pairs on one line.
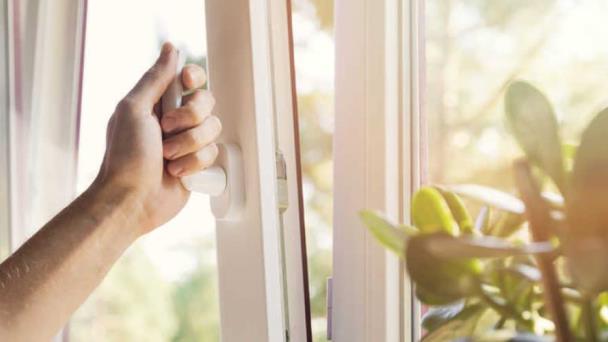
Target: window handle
[[224, 181]]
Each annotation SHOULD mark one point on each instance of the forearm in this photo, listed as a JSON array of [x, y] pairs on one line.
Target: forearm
[[53, 272]]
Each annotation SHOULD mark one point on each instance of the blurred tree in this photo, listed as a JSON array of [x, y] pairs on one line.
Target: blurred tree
[[196, 306], [476, 47], [131, 304], [325, 13]]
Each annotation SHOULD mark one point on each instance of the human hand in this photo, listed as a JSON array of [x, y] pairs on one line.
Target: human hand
[[138, 160]]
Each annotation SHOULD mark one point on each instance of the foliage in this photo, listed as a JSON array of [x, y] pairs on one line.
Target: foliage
[[491, 276]]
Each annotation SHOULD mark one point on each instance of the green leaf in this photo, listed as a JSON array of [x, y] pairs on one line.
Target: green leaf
[[437, 316], [431, 213], [391, 236], [458, 210], [587, 257], [508, 224], [554, 200], [523, 271], [586, 241], [446, 246], [588, 198], [508, 336], [439, 281], [460, 326], [569, 150], [534, 125], [492, 197]]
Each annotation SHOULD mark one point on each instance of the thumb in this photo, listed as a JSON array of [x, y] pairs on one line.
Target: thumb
[[155, 81]]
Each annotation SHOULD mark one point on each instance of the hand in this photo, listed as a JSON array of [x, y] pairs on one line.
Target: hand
[[139, 161]]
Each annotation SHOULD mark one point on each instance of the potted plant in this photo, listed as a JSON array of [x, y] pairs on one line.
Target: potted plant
[[531, 266]]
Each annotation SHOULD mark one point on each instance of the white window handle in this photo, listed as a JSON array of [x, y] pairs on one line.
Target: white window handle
[[224, 181]]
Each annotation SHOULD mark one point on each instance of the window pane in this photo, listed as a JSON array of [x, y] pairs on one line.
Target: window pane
[[476, 47], [314, 57], [164, 287]]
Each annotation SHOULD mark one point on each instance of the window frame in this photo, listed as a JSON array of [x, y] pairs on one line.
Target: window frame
[[379, 162], [253, 56]]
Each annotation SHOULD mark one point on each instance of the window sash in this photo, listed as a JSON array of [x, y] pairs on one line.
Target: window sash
[[251, 58], [379, 156]]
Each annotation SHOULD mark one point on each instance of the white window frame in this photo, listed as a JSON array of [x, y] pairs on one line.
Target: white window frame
[[249, 46], [379, 162]]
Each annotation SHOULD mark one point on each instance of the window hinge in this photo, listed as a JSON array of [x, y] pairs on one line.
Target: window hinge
[[282, 191], [329, 306]]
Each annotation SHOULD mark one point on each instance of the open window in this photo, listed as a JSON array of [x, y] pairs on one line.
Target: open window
[[251, 272]]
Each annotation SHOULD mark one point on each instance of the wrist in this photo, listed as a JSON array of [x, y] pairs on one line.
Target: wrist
[[114, 201]]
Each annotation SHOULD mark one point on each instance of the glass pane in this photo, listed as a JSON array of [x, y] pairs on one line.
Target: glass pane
[[313, 26], [164, 288], [476, 47]]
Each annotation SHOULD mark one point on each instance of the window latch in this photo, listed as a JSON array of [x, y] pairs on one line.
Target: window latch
[[224, 181], [282, 187]]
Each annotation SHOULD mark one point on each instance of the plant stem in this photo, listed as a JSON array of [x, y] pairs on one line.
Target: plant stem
[[589, 320], [505, 311], [539, 220]]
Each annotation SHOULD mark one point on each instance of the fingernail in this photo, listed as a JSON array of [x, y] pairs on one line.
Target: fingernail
[[195, 78], [212, 126], [167, 47], [168, 123], [208, 154], [169, 150]]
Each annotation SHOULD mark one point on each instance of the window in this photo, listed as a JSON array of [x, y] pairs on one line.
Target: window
[[421, 82], [261, 261], [313, 26], [164, 288], [378, 149]]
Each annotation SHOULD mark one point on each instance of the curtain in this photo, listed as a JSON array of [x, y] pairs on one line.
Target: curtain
[[45, 53]]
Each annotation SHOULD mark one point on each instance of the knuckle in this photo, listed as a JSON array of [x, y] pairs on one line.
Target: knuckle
[[204, 98], [128, 105], [192, 114], [153, 71], [206, 156], [192, 139]]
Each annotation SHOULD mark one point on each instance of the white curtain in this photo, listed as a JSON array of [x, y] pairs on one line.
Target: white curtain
[[45, 44]]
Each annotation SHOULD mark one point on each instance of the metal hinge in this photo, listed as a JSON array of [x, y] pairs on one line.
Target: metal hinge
[[329, 300], [282, 189]]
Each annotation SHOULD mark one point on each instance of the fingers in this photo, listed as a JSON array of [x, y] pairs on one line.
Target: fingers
[[193, 162], [192, 140], [193, 77], [197, 107], [155, 81]]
